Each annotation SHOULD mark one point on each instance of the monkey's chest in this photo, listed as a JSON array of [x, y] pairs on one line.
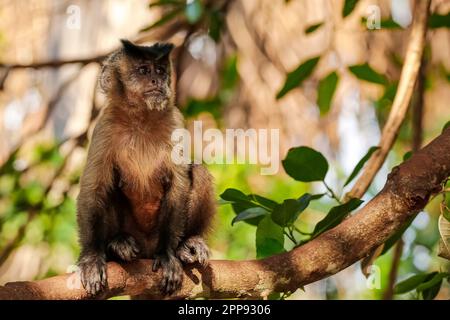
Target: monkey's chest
[[145, 208]]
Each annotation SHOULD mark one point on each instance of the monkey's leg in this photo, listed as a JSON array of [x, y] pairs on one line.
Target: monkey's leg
[[124, 247], [98, 221], [172, 224], [92, 260], [201, 210]]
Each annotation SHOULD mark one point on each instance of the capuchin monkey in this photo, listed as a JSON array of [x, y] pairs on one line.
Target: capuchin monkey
[[134, 201]]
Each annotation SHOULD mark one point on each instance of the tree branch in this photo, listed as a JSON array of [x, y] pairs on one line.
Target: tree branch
[[402, 99], [407, 191]]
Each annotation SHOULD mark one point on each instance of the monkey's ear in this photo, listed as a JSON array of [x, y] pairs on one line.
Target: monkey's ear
[[106, 77]]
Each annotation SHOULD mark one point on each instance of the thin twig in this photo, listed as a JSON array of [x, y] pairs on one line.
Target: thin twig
[[401, 102]]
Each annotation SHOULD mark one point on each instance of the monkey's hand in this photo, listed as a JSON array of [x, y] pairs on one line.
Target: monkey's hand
[[193, 250], [123, 247], [172, 272], [93, 273]]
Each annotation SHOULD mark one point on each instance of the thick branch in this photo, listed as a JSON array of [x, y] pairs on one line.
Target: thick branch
[[407, 191], [402, 99]]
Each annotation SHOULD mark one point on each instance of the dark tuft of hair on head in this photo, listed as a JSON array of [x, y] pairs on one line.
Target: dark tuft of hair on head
[[155, 51]]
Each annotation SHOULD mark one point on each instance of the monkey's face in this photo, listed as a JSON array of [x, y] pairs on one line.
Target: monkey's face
[[145, 74]]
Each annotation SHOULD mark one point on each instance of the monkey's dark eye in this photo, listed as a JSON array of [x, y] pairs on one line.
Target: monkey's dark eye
[[143, 70], [159, 70]]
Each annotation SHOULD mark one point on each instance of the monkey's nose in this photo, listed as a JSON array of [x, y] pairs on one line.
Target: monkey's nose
[[153, 81]]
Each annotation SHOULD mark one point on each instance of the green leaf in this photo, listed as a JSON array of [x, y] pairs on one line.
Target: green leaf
[[336, 215], [316, 196], [193, 11], [327, 87], [215, 24], [194, 107], [360, 164], [34, 193], [313, 28], [439, 21], [384, 24], [411, 283], [163, 20], [269, 238], [431, 293], [407, 155], [233, 195], [296, 77], [250, 213], [397, 235], [244, 206], [430, 283], [447, 125], [287, 213], [349, 6], [365, 72], [262, 201], [305, 164]]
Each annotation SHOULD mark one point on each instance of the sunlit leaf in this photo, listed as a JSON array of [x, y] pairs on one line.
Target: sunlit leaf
[[296, 77], [269, 238], [360, 164], [325, 92], [305, 164]]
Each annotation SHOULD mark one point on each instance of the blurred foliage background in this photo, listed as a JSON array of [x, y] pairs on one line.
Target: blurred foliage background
[[313, 69]]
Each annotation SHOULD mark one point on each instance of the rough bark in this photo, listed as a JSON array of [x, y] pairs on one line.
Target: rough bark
[[407, 191]]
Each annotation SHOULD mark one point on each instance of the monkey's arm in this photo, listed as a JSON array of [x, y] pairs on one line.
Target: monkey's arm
[[173, 223], [94, 214], [201, 211]]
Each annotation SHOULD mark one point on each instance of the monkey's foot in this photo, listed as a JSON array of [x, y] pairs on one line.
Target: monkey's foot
[[172, 272], [93, 273], [193, 250], [124, 247]]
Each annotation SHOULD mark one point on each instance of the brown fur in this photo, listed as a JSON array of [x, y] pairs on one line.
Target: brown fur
[[134, 202]]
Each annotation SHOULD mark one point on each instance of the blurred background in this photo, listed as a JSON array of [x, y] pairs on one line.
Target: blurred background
[[231, 60]]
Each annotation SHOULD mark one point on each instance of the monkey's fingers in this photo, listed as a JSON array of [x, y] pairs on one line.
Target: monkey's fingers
[[172, 277], [124, 247], [193, 250], [156, 264], [93, 273]]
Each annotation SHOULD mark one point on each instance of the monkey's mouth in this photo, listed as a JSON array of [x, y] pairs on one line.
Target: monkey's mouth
[[155, 91]]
